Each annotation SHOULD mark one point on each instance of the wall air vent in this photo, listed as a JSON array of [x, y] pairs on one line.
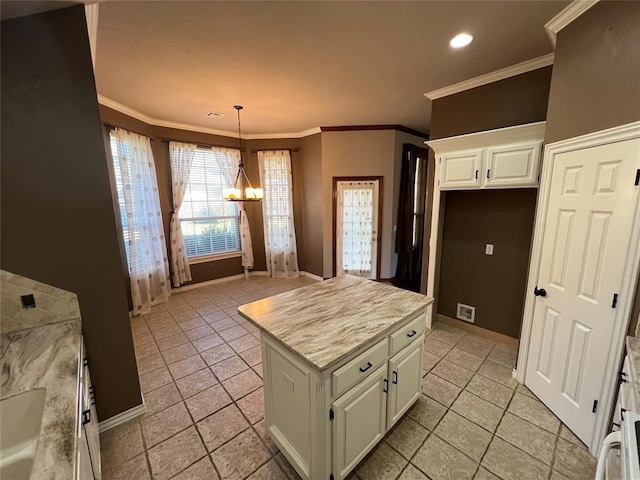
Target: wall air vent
[[466, 313], [215, 115]]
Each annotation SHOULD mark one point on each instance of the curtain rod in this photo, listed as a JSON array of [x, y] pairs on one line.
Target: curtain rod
[[274, 149], [109, 126], [199, 145]]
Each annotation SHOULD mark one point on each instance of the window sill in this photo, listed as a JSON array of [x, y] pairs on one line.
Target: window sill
[[214, 257]]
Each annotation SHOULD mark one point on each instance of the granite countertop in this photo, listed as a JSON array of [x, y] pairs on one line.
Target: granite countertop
[[325, 322], [633, 351], [40, 348]]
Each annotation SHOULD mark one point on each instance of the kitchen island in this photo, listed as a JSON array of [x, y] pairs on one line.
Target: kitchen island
[[342, 363]]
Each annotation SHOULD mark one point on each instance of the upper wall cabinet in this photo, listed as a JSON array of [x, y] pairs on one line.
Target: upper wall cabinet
[[504, 158]]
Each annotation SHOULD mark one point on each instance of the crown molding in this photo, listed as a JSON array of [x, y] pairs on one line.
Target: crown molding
[[107, 102], [351, 128], [566, 16], [487, 78]]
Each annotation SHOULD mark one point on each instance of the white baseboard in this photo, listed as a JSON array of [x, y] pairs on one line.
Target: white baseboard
[[312, 276], [123, 417]]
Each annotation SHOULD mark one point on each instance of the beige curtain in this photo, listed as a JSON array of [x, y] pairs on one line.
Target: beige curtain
[[142, 220], [277, 208], [181, 158]]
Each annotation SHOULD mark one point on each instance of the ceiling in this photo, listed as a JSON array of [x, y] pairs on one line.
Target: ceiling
[[300, 65]]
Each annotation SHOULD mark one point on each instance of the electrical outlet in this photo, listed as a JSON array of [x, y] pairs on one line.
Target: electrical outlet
[[488, 249]]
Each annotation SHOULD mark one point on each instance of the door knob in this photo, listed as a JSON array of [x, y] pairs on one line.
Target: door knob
[[539, 292]]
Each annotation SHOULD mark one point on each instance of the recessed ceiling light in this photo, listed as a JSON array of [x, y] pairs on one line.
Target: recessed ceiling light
[[215, 115], [461, 40]]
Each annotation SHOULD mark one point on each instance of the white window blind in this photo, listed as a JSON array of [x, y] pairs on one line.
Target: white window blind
[[210, 225]]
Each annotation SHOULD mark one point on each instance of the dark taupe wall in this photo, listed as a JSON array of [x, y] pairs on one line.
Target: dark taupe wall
[[596, 75], [498, 289], [494, 284], [312, 203], [58, 221]]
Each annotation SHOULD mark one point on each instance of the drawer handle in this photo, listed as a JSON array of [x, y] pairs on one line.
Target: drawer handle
[[386, 386], [412, 333], [395, 377], [369, 365]]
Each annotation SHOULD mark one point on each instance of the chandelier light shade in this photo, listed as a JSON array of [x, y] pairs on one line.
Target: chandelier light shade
[[235, 193]]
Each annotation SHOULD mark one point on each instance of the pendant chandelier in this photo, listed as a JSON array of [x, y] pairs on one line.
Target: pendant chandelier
[[235, 193]]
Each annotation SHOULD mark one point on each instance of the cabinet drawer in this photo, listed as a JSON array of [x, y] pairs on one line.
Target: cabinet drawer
[[358, 368], [405, 335]]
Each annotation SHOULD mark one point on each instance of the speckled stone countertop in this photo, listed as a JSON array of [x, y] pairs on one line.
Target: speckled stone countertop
[[633, 351], [46, 355], [325, 322]]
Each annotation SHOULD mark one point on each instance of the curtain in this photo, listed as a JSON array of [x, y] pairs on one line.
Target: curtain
[[142, 221], [277, 208], [356, 228], [410, 226], [181, 155]]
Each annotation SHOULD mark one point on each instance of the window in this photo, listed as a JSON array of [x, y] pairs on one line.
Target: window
[[209, 224]]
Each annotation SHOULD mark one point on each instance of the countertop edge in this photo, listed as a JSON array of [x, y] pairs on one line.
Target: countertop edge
[[633, 351]]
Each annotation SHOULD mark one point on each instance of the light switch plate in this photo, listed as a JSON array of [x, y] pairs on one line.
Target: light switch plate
[[488, 249]]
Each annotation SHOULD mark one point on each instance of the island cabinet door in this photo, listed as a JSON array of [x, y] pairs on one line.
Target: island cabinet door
[[359, 422], [405, 371]]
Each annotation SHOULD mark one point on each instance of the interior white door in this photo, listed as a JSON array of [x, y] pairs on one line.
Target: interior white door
[[357, 228], [585, 244]]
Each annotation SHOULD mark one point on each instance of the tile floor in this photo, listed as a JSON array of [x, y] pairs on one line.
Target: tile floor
[[200, 373]]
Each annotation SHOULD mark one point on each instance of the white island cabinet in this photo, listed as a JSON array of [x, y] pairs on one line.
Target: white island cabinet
[[342, 363]]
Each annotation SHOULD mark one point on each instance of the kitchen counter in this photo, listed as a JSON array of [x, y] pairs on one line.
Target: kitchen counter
[[41, 348], [325, 322], [633, 352]]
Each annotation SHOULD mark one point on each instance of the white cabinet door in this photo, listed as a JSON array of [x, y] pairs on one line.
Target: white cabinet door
[[91, 429], [461, 170], [83, 461], [511, 166], [405, 371], [359, 422]]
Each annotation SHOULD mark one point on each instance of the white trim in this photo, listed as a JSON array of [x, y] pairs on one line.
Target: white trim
[[612, 135], [566, 16], [487, 78], [214, 256], [91, 15], [107, 102], [312, 276], [487, 138], [123, 417]]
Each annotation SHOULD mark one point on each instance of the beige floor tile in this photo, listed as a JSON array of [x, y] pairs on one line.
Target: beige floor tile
[[464, 359], [453, 373], [162, 425], [259, 427], [527, 437], [185, 367], [141, 338], [534, 411], [178, 353], [221, 427], [499, 374], [229, 367], [269, 471], [384, 463], [161, 398], [443, 336], [570, 437], [440, 461], [252, 406], [463, 434], [196, 382], [476, 345], [146, 350], [205, 343], [440, 390], [217, 316], [165, 332], [503, 355], [192, 323], [175, 454], [258, 369], [489, 390], [207, 402], [186, 315], [406, 437], [217, 354], [172, 341], [429, 361], [525, 391], [152, 380], [252, 356], [242, 384], [412, 473], [434, 347], [120, 444], [161, 323], [232, 333], [484, 474], [427, 412], [287, 467], [150, 363], [136, 468], [201, 470], [240, 456], [506, 461], [243, 343], [479, 411], [574, 462], [555, 475], [196, 333]]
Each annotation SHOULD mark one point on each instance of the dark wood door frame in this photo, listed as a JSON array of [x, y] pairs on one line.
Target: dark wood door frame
[[335, 218]]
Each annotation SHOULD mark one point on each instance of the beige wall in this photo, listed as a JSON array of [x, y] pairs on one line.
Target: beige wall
[[312, 204]]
